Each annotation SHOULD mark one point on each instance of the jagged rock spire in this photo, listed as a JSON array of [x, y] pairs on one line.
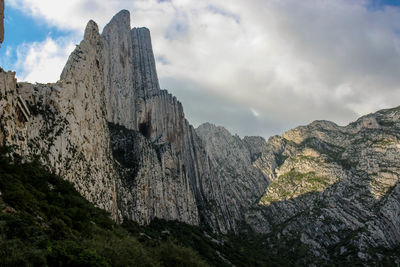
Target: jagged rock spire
[[118, 71], [129, 70], [143, 63]]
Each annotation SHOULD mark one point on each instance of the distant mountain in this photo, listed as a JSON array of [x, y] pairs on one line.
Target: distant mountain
[[107, 127]]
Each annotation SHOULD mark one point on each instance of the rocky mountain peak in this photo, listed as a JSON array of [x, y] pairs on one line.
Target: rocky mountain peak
[[122, 19], [125, 144], [91, 32], [144, 63]]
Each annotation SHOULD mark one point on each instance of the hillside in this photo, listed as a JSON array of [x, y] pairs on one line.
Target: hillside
[[102, 167]]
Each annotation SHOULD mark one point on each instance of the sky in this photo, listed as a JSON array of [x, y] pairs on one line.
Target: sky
[[256, 67]]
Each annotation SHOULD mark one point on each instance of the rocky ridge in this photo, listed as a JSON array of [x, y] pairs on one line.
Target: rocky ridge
[[63, 125], [337, 189], [332, 189], [107, 127]]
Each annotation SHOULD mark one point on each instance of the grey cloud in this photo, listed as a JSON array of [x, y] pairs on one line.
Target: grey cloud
[[290, 61]]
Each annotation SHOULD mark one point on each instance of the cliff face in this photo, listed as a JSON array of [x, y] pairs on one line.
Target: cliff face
[[107, 127], [237, 184], [63, 124], [165, 172], [154, 129], [335, 189]]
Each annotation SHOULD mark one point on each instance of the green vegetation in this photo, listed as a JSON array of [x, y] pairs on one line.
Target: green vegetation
[[294, 183], [44, 221], [383, 142]]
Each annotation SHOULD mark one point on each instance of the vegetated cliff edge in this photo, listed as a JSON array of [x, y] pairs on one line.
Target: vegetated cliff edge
[[125, 144], [107, 127]]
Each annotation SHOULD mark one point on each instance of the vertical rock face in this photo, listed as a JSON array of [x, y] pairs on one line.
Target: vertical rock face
[[125, 144], [237, 184], [64, 124], [165, 171], [155, 181], [118, 71], [144, 66], [1, 21]]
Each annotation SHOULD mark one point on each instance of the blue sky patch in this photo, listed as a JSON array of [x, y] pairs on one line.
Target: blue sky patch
[[224, 13], [20, 29]]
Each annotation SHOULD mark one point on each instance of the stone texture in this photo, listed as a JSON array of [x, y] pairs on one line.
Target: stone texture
[[118, 71], [125, 144], [144, 66], [336, 188], [236, 183], [66, 127]]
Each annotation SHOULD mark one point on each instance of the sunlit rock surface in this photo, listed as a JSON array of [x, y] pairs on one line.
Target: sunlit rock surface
[[336, 188], [125, 144]]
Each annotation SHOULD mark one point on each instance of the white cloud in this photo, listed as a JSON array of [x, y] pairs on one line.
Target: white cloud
[[255, 112], [290, 61], [42, 61]]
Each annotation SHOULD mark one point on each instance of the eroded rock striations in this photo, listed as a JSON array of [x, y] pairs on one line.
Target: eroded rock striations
[[336, 189], [63, 124], [109, 128], [125, 144]]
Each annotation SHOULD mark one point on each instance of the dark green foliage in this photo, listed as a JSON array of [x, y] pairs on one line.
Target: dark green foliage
[[45, 222]]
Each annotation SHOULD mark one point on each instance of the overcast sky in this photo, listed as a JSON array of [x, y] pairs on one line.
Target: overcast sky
[[257, 67]]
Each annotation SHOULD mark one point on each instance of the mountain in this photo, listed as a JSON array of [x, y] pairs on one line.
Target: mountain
[[106, 126]]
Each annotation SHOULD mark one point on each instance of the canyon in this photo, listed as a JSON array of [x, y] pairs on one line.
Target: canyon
[[107, 127]]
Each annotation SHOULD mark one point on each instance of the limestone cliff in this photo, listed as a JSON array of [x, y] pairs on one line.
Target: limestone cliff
[[108, 127], [63, 124], [155, 129], [335, 189], [237, 184], [125, 144]]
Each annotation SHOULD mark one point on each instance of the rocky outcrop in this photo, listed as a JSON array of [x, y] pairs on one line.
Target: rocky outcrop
[[118, 71], [125, 144], [144, 65], [63, 124], [1, 21], [155, 128], [237, 184], [336, 188]]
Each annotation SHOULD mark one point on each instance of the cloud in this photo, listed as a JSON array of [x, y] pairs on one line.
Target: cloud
[[42, 61], [288, 61]]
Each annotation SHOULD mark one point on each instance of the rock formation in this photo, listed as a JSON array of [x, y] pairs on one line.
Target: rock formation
[[336, 189], [125, 144], [63, 124], [240, 184], [107, 127]]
